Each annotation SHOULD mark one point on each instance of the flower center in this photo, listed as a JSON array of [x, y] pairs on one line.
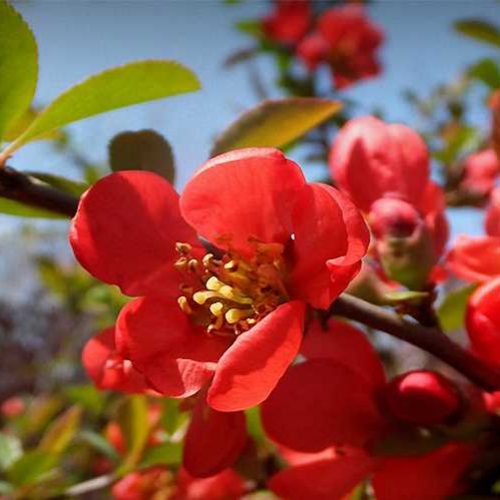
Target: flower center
[[230, 294]]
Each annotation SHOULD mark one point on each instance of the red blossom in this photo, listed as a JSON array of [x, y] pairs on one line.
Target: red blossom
[[12, 407], [480, 172], [422, 397], [108, 368], [492, 221], [483, 321], [355, 410], [347, 41], [289, 21], [144, 485], [385, 170], [231, 320], [475, 259]]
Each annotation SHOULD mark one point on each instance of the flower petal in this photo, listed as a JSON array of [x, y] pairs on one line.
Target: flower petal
[[320, 403], [107, 368], [371, 159], [227, 485], [125, 230], [343, 343], [331, 237], [475, 259], [176, 357], [322, 480], [214, 440], [250, 369], [432, 476], [247, 193]]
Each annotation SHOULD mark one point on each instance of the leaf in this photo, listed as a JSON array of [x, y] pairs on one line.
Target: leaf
[[134, 422], [164, 454], [142, 150], [487, 71], [86, 395], [114, 88], [405, 296], [17, 127], [60, 433], [451, 312], [18, 66], [69, 186], [99, 443], [275, 123], [31, 467], [171, 416], [10, 450], [11, 207], [477, 29]]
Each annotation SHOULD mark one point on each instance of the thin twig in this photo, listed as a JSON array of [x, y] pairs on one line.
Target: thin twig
[[431, 340]]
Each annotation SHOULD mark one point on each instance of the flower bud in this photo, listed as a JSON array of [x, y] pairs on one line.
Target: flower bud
[[492, 221], [403, 242], [483, 321], [422, 398], [480, 171]]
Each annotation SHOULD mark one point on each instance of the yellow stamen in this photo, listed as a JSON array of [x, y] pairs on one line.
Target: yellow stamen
[[201, 297], [214, 284], [234, 315], [184, 305], [217, 308]]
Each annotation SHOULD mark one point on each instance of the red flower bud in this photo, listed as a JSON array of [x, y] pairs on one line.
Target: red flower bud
[[422, 398], [483, 321], [480, 172], [393, 218], [12, 407], [289, 22]]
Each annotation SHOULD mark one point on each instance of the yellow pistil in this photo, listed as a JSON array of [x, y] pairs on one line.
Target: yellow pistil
[[229, 295]]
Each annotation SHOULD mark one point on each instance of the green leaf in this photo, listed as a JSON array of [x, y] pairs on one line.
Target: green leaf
[[99, 443], [11, 207], [482, 31], [114, 88], [86, 395], [487, 71], [404, 296], [31, 467], [18, 66], [60, 433], [171, 416], [164, 454], [275, 123], [17, 127], [142, 150], [69, 186], [451, 312], [10, 450], [134, 422]]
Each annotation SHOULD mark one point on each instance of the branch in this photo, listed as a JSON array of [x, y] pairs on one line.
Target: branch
[[432, 340], [22, 188]]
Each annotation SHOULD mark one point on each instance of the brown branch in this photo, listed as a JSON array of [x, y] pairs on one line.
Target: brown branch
[[432, 340], [24, 189]]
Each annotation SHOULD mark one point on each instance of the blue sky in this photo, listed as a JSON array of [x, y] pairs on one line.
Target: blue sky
[[79, 38]]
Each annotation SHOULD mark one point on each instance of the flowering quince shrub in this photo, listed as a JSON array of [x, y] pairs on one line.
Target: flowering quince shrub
[[235, 341]]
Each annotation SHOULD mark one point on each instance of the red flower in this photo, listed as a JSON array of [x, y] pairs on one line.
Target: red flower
[[345, 40], [289, 22], [483, 321], [227, 485], [144, 485], [475, 259], [371, 160], [108, 368], [480, 172], [334, 399], [232, 319], [12, 407], [492, 222]]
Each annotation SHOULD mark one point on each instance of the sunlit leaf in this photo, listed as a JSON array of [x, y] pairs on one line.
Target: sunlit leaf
[[17, 127], [99, 443], [142, 150], [114, 88], [451, 312], [86, 395], [10, 450], [18, 66], [480, 30], [404, 296], [60, 433], [275, 123], [31, 467]]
